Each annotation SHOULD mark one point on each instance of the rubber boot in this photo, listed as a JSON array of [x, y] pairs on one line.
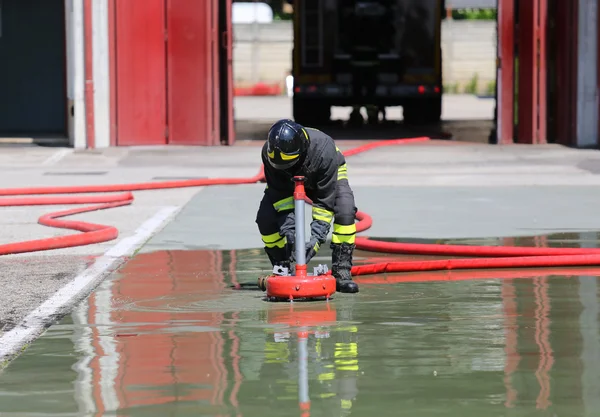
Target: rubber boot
[[341, 261], [381, 110], [373, 115], [277, 257]]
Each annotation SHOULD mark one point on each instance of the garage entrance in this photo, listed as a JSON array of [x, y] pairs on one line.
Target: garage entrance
[[172, 67], [32, 68]]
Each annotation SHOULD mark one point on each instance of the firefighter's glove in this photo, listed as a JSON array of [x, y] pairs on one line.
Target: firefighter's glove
[[287, 228], [318, 235], [312, 247]]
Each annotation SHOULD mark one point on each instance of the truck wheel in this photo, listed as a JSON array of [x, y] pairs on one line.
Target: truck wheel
[[424, 111], [434, 110], [310, 112]]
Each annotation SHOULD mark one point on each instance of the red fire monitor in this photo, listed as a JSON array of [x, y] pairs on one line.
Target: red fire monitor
[[301, 285]]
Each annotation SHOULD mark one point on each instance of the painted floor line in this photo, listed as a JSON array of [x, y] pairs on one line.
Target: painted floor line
[[35, 323], [56, 156]]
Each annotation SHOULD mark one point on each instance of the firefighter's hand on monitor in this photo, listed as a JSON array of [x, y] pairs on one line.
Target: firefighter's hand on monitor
[[287, 227], [318, 235], [312, 248], [288, 230], [319, 230]]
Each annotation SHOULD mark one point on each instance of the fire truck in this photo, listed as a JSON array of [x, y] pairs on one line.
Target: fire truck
[[367, 53]]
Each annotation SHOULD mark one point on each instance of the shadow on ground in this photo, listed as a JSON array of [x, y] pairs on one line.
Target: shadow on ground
[[468, 130]]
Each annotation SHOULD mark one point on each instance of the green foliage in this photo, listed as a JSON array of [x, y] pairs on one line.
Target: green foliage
[[451, 88], [474, 14], [491, 88], [457, 14], [473, 85], [283, 16]]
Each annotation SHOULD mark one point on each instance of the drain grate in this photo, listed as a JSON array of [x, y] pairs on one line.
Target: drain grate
[[76, 173]]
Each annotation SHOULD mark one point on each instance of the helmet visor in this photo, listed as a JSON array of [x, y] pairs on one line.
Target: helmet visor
[[282, 164]]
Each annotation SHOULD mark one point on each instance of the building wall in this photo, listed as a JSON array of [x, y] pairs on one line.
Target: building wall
[[75, 40], [188, 79], [469, 49], [32, 68], [263, 53], [587, 74]]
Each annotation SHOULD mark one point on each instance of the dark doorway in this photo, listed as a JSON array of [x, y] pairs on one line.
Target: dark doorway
[[33, 68], [226, 72], [562, 71]]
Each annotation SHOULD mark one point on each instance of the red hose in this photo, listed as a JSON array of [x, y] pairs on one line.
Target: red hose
[[487, 256], [465, 275]]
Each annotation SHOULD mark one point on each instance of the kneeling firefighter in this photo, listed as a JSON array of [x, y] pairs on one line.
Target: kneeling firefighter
[[292, 150]]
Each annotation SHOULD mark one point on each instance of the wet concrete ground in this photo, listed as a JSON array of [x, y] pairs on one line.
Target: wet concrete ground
[[168, 336], [420, 188], [464, 118], [455, 107]]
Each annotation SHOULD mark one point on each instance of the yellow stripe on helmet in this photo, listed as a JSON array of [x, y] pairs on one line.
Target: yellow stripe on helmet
[[287, 157], [305, 134]]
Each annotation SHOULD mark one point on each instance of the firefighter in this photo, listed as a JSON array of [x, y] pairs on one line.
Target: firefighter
[[292, 150]]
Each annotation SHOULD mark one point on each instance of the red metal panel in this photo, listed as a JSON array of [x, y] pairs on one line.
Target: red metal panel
[[140, 72], [192, 78], [112, 67], [214, 80], [532, 73], [526, 72], [540, 56], [506, 55]]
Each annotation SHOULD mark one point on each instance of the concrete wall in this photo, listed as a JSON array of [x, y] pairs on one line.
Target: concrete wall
[[469, 48]]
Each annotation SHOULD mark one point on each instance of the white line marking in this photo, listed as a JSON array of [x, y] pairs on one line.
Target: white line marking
[[109, 362], [35, 323], [82, 340], [56, 156]]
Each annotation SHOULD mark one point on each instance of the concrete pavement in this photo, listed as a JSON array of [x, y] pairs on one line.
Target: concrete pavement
[[436, 190], [454, 107], [467, 117]]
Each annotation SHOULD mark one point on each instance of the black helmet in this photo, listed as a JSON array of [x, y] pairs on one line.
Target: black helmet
[[287, 142]]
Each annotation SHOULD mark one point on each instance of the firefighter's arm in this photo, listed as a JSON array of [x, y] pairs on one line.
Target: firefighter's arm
[[324, 201]]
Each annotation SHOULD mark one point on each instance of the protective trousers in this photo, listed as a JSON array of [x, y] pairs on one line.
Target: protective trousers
[[276, 226]]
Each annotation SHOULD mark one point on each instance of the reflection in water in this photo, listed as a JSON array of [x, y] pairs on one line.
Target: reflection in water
[[308, 359], [510, 344], [168, 336]]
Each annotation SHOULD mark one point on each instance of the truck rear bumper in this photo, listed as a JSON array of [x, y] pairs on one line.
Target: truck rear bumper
[[388, 95]]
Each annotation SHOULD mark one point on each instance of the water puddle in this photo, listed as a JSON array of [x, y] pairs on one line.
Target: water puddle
[[168, 336]]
